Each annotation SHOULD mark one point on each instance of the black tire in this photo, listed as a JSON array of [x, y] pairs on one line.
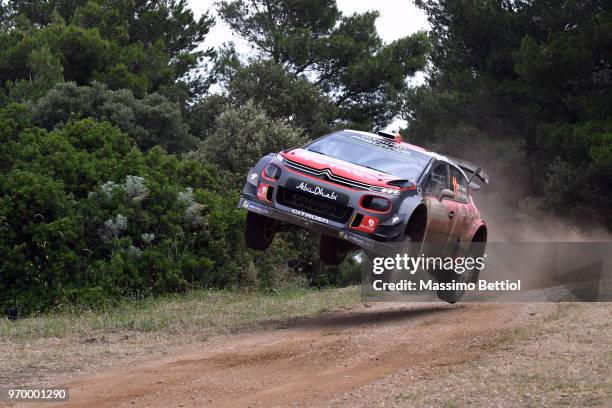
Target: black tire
[[476, 249], [259, 231], [332, 251]]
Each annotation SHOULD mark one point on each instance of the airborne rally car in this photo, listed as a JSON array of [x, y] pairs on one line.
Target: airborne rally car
[[363, 191]]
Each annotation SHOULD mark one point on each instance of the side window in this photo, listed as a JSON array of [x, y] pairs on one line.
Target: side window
[[459, 184], [438, 180]]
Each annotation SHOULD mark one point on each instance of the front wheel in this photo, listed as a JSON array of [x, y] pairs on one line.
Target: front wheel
[[332, 251], [259, 231]]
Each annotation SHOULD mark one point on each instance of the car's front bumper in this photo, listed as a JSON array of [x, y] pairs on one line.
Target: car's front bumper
[[310, 222]]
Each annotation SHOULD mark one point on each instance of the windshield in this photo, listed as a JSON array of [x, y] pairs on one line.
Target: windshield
[[372, 152]]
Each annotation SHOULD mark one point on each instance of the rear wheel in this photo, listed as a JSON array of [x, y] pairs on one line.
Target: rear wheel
[[332, 251], [259, 231], [469, 275]]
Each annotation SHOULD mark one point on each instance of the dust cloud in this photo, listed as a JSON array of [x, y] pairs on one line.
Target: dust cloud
[[500, 205], [541, 249], [511, 205]]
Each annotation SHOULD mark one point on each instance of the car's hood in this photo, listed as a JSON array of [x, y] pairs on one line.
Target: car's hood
[[339, 167]]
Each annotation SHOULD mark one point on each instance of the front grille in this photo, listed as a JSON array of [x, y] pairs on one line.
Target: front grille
[[327, 175], [313, 205]]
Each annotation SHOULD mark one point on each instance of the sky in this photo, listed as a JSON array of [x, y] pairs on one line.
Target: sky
[[398, 18]]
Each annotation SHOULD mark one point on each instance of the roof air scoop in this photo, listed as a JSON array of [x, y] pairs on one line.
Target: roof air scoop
[[396, 137]]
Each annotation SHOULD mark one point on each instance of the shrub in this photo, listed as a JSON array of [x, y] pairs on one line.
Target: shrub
[[85, 217], [243, 135], [150, 121]]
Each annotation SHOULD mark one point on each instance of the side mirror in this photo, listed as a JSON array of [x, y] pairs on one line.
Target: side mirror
[[473, 186], [446, 193]]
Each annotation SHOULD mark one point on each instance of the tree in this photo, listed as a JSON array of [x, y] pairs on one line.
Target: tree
[[40, 12], [202, 115], [151, 121], [282, 95], [342, 56], [288, 30], [145, 46], [145, 21], [530, 73], [242, 136]]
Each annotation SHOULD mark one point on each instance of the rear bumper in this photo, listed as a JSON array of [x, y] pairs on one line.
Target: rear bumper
[[314, 223]]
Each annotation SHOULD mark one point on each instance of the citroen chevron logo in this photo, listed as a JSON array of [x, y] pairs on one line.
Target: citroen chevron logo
[[329, 175]]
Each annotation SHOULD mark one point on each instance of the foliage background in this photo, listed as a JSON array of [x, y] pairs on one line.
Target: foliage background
[[120, 167]]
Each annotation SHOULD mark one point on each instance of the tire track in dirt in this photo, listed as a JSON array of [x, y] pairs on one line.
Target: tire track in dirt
[[305, 363]]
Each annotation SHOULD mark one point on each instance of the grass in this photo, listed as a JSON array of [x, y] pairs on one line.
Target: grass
[[197, 312], [36, 348], [524, 332]]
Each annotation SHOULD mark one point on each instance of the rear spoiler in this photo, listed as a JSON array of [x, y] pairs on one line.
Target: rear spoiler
[[472, 168]]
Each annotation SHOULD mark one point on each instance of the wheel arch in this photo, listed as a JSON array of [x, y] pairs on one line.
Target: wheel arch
[[481, 234], [417, 223]]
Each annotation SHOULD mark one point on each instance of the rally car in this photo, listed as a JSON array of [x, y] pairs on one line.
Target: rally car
[[363, 191]]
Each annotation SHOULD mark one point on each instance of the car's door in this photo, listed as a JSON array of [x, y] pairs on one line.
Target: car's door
[[461, 220], [440, 212]]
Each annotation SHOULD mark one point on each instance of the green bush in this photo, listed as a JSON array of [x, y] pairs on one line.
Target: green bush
[[150, 121], [241, 137], [86, 217]]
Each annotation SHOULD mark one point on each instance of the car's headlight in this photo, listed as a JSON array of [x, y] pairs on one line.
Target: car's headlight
[[272, 172]]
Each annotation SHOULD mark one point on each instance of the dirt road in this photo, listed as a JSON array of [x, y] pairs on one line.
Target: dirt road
[[315, 362]]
